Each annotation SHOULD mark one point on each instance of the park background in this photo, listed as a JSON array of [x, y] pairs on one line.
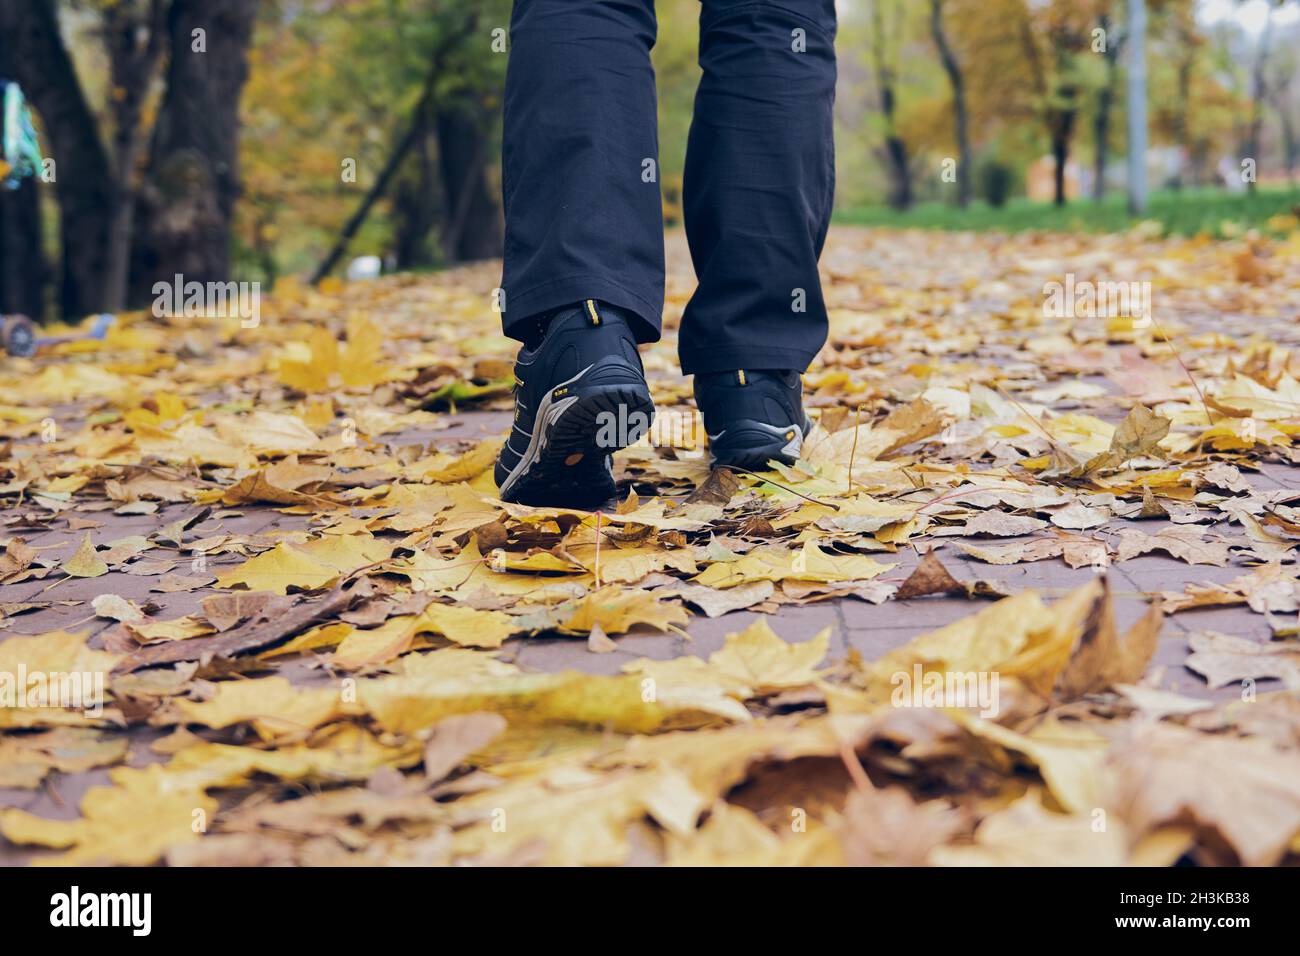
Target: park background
[[317, 131]]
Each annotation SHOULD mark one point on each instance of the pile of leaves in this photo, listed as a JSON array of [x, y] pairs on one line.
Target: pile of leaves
[[343, 690]]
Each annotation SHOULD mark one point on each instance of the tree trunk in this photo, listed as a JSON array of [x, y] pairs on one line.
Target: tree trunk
[[417, 130], [1280, 99], [417, 203], [1182, 123], [1290, 145], [1060, 156], [1101, 138], [83, 180], [404, 146], [1062, 128], [1105, 106], [895, 149], [187, 201], [134, 40], [960, 116], [264, 246], [1258, 94], [1137, 107], [473, 230], [23, 270], [900, 197]]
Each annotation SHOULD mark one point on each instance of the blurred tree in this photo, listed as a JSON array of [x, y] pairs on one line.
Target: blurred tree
[[417, 204], [1179, 21], [449, 51], [886, 41], [186, 205], [676, 63], [313, 125], [1138, 125], [466, 123], [1193, 103], [83, 178], [1000, 94], [1108, 42], [23, 269], [390, 110], [134, 32], [1275, 68], [445, 185], [1053, 34], [1282, 97], [473, 228], [1259, 95], [416, 131], [961, 120], [123, 226]]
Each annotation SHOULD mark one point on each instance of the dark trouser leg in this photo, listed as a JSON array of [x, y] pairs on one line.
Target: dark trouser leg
[[584, 220], [759, 184]]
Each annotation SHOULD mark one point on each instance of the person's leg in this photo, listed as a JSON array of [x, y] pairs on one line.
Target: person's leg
[[584, 218], [584, 254], [759, 185]]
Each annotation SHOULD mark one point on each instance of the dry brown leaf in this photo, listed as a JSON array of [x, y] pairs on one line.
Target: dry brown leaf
[[1222, 660], [454, 738], [1241, 792], [888, 828]]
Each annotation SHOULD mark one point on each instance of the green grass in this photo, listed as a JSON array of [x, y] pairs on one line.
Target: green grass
[[1187, 213]]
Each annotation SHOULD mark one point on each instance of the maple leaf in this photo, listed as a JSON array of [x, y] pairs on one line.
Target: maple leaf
[[616, 611], [130, 824], [1243, 790], [277, 570], [762, 660], [1138, 435], [1027, 834], [776, 563], [1222, 660]]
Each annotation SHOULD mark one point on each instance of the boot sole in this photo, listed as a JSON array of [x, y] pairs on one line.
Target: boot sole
[[750, 445], [566, 462]]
